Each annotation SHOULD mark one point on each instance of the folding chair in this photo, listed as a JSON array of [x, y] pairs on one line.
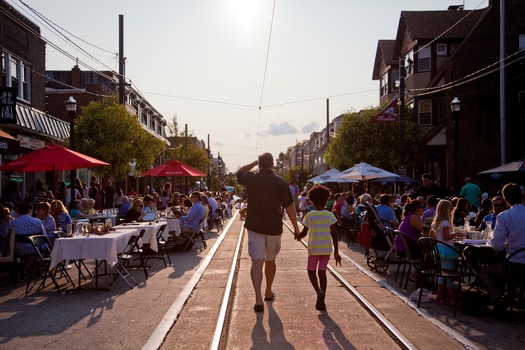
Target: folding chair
[[42, 261], [140, 252], [123, 259], [163, 249], [9, 256], [192, 237], [216, 220]]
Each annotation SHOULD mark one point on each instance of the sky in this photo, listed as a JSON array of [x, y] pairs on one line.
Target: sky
[[225, 69]]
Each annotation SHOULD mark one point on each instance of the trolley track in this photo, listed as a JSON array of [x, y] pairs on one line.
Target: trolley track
[[234, 304]]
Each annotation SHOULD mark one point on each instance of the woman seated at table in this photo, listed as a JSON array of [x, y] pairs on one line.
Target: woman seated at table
[[60, 214], [135, 212], [42, 212], [461, 211], [91, 207], [411, 226], [442, 230], [76, 211]]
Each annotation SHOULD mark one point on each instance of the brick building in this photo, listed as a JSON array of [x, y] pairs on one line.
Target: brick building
[[455, 53]]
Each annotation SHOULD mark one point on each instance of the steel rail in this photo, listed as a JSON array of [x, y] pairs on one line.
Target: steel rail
[[394, 333]]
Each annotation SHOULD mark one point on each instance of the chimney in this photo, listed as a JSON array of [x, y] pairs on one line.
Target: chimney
[[76, 79]]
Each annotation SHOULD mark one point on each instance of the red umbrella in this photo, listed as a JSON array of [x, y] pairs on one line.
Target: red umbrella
[[52, 157], [173, 168]]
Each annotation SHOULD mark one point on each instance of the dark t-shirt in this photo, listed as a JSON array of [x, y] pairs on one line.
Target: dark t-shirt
[[267, 194], [132, 215]]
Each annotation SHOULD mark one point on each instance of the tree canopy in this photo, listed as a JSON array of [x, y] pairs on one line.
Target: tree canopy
[[106, 131], [359, 140]]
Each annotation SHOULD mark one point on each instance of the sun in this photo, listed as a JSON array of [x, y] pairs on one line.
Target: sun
[[244, 11]]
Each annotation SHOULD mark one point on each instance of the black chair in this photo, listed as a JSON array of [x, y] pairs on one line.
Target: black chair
[[431, 266], [192, 237], [216, 220], [409, 258], [8, 259], [162, 248], [515, 277], [42, 261], [123, 259], [142, 255]]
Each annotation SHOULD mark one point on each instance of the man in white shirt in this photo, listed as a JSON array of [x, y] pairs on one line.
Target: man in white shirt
[[509, 235]]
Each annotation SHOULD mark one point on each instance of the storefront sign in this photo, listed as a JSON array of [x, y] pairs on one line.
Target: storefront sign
[[29, 142], [7, 105], [8, 144]]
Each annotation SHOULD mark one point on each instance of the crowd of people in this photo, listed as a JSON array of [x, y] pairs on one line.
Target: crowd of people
[[49, 213], [426, 212]]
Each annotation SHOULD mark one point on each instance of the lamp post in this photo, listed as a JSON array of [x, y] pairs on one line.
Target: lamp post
[[71, 107], [455, 106]]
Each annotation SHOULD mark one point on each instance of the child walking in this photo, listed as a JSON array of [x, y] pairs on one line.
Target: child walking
[[321, 225], [442, 230]]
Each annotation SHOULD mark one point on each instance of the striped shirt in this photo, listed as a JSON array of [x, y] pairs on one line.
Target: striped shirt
[[319, 237]]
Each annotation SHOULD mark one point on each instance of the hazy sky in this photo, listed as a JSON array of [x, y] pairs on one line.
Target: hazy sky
[[204, 60]]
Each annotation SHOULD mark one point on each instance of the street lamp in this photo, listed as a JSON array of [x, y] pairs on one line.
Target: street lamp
[[71, 107], [455, 106]]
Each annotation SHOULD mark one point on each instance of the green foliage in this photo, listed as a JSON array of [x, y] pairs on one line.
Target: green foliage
[[358, 140], [107, 132], [302, 177]]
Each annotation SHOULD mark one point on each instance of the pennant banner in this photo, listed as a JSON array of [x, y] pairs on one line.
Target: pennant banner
[[388, 114]]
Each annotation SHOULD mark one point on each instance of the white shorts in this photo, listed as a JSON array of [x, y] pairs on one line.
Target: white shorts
[[263, 247]]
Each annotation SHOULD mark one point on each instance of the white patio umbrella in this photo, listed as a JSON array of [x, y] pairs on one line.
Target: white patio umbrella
[[364, 171], [332, 175]]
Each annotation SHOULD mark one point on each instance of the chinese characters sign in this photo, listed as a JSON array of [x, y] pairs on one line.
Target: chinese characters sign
[[7, 105]]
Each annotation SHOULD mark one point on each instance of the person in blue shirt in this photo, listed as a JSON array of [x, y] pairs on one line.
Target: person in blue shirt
[[386, 213], [191, 222]]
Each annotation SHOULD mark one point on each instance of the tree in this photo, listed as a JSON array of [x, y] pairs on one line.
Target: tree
[[359, 140], [296, 174], [106, 131]]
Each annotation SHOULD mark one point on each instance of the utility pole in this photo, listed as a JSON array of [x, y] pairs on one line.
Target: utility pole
[[402, 74], [327, 126], [121, 61]]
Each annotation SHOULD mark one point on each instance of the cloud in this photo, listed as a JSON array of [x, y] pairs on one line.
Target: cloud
[[219, 144], [309, 128], [246, 134], [283, 128]]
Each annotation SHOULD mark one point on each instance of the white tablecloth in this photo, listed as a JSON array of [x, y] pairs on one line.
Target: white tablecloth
[[173, 225], [94, 247], [150, 236]]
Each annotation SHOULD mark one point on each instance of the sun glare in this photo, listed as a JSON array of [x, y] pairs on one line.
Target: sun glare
[[244, 12]]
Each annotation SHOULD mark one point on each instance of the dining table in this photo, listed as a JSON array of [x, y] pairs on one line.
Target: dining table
[[150, 235], [104, 247]]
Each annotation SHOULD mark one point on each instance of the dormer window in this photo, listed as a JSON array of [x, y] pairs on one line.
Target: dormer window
[[441, 49]]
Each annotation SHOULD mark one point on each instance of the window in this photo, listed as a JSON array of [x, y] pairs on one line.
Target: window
[[441, 49], [424, 112], [423, 59], [394, 80], [17, 75], [383, 88], [409, 63]]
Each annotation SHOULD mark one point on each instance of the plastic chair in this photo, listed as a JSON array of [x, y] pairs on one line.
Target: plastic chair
[[42, 261], [431, 265]]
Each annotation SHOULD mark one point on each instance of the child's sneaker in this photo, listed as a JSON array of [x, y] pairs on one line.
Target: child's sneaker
[[320, 305]]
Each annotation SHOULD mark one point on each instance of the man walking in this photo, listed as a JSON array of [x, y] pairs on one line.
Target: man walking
[[267, 194]]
